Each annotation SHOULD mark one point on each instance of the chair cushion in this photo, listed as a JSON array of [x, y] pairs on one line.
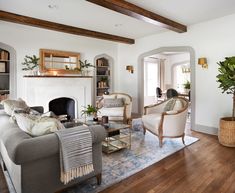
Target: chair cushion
[[152, 121], [110, 103], [113, 112]]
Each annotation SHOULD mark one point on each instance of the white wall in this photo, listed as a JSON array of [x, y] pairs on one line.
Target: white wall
[[28, 40], [214, 40]]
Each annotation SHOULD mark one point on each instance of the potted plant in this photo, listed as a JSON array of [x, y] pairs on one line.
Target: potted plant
[[90, 112], [30, 63], [84, 67], [226, 79], [187, 86]]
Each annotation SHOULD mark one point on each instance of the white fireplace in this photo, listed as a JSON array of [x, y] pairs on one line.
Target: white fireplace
[[40, 90]]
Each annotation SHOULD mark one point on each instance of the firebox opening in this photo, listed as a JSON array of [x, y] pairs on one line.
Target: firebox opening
[[63, 106]]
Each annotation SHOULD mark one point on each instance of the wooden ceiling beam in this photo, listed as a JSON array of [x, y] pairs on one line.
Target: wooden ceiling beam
[[20, 19], [137, 12]]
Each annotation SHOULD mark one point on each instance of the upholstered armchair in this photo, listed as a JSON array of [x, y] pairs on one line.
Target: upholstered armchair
[[166, 119], [117, 106]]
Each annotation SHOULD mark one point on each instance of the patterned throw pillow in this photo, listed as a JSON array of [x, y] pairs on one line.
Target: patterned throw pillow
[[10, 105], [111, 103], [169, 105], [36, 125]]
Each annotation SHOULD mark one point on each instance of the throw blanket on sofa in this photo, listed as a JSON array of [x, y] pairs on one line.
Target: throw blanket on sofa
[[75, 153]]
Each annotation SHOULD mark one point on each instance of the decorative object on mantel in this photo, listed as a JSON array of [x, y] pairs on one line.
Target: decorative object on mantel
[[30, 64], [90, 112], [226, 79], [84, 67], [130, 69], [203, 62]]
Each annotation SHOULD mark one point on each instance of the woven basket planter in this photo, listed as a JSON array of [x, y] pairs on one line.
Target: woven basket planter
[[227, 132]]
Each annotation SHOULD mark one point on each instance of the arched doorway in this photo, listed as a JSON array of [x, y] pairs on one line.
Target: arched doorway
[[12, 69], [141, 76]]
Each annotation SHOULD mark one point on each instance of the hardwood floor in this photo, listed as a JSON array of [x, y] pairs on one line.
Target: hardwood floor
[[203, 167]]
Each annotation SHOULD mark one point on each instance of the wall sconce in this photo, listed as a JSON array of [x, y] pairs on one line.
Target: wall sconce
[[130, 69], [203, 62]]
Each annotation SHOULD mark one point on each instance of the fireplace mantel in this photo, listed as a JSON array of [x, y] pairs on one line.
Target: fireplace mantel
[[39, 90]]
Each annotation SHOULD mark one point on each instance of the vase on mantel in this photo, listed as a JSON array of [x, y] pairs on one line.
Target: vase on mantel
[[85, 72]]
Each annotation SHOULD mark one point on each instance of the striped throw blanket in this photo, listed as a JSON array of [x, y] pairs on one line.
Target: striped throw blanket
[[75, 153]]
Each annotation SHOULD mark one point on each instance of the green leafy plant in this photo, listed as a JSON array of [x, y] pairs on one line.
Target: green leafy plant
[[226, 78], [30, 62], [187, 85], [90, 110], [85, 64]]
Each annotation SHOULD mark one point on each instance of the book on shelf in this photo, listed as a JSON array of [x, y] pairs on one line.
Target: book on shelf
[[4, 55]]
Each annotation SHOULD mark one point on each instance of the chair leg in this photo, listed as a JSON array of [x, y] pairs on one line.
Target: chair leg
[[99, 178], [183, 139], [144, 130], [160, 141]]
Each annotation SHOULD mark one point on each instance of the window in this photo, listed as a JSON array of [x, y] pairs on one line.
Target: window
[[151, 78]]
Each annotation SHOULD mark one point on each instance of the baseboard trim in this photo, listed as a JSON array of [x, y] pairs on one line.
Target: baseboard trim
[[206, 129]]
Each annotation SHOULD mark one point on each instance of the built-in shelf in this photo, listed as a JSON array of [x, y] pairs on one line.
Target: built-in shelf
[[4, 92], [103, 76], [102, 66], [4, 73], [49, 76], [103, 88]]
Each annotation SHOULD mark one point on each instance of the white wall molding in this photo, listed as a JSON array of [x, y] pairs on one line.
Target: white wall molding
[[206, 129]]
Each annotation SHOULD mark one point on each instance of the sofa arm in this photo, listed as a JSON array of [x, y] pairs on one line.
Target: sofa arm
[[48, 145], [98, 133]]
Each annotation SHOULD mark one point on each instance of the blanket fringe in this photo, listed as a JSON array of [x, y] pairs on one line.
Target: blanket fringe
[[76, 172]]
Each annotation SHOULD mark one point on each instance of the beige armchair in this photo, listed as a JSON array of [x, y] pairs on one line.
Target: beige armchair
[[166, 119], [118, 111]]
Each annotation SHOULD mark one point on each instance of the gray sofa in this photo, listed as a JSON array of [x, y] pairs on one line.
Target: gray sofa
[[33, 163]]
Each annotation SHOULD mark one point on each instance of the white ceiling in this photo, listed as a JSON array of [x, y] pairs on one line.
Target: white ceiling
[[81, 13]]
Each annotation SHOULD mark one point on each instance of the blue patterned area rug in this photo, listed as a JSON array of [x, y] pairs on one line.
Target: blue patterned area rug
[[117, 166], [144, 152]]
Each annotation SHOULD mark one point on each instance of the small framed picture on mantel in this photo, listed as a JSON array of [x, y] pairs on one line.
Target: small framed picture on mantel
[[2, 67]]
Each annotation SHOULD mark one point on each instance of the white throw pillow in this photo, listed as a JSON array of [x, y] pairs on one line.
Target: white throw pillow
[[10, 105], [36, 125], [178, 105]]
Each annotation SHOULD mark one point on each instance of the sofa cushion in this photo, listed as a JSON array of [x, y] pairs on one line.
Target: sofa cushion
[[10, 105], [36, 125], [110, 103]]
